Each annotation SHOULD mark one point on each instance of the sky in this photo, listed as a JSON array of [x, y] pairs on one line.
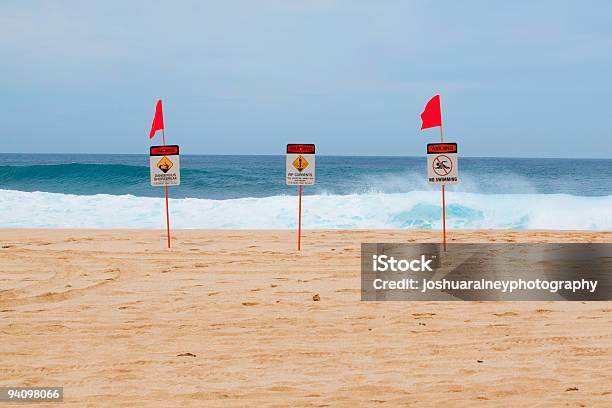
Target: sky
[[516, 79]]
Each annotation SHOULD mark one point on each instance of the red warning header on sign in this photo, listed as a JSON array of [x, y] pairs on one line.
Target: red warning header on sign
[[433, 148], [301, 148], [164, 150]]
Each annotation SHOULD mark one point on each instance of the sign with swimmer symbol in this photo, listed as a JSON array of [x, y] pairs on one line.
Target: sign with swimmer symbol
[[300, 164], [165, 165], [442, 163]]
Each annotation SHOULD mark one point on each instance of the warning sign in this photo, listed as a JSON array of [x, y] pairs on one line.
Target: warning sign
[[164, 164], [442, 165], [300, 164]]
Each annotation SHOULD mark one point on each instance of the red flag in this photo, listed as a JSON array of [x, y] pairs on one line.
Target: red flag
[[158, 120], [432, 116]]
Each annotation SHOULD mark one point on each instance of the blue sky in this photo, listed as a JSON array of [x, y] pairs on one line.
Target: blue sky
[[520, 79]]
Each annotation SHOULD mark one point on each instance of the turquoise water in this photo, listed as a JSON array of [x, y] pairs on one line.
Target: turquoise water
[[351, 192]]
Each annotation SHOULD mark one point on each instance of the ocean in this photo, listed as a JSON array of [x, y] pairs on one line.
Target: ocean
[[113, 191]]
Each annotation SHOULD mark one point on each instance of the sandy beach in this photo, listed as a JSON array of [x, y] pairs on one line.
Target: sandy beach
[[227, 318]]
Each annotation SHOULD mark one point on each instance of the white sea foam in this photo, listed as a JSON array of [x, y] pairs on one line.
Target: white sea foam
[[416, 209]]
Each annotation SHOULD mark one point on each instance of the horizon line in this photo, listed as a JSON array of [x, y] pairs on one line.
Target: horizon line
[[325, 155]]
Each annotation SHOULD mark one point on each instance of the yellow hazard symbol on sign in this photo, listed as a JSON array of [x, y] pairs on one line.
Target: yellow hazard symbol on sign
[[300, 163], [164, 164]]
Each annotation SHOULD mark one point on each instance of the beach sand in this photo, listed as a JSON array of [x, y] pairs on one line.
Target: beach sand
[[227, 318]]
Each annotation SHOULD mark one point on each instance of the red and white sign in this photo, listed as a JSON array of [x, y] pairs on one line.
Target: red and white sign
[[442, 163], [300, 164], [165, 165]]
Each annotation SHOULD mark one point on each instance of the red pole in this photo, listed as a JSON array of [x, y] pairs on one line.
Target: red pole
[[167, 216], [166, 191], [300, 218], [443, 204], [443, 218]]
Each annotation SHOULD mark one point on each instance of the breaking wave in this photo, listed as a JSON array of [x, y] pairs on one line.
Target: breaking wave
[[410, 210]]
